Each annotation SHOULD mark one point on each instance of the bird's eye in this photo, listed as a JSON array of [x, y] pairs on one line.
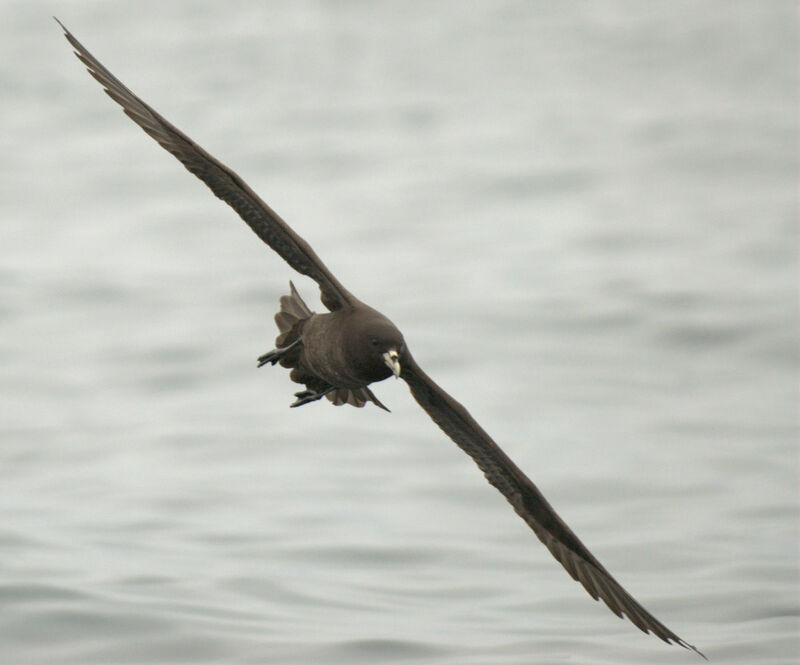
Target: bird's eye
[[374, 342]]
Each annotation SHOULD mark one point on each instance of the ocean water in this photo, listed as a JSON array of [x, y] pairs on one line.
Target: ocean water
[[582, 216]]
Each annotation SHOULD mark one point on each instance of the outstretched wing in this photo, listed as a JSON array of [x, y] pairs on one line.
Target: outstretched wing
[[225, 184], [529, 503]]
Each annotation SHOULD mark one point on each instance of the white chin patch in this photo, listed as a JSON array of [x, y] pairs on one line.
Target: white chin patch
[[392, 362]]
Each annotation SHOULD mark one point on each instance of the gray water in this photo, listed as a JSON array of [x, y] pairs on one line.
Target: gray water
[[582, 216]]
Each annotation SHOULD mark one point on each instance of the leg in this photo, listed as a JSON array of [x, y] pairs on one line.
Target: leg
[[276, 354], [306, 396]]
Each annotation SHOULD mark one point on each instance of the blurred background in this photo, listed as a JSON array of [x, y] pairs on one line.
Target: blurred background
[[583, 218]]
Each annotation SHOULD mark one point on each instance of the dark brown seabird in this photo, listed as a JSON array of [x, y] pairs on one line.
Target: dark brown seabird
[[339, 353]]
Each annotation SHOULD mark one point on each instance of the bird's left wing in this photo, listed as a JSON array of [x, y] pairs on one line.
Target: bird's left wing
[[529, 503], [225, 184]]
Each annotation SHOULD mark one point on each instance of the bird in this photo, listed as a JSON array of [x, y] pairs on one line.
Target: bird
[[338, 354]]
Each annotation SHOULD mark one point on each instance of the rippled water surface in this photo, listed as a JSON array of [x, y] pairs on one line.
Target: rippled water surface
[[581, 216]]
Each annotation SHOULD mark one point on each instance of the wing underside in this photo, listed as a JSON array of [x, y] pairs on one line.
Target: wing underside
[[530, 504], [224, 182]]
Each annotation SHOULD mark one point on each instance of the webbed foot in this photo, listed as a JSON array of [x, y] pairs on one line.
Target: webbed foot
[[274, 356], [306, 396]]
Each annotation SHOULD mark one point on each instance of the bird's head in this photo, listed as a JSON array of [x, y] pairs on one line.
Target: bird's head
[[380, 349], [390, 353]]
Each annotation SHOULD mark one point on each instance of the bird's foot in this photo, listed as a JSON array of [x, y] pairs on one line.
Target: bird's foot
[[306, 396], [274, 356]]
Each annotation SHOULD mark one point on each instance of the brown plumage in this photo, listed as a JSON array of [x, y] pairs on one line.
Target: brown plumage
[[339, 353]]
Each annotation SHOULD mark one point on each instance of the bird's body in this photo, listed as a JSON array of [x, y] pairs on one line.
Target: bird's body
[[326, 352], [338, 354], [331, 347]]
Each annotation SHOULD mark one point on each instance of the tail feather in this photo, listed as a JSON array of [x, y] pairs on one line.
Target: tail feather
[[355, 397], [293, 310], [294, 305]]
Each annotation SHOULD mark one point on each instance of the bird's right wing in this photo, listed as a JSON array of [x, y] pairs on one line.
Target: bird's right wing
[[225, 184], [529, 503]]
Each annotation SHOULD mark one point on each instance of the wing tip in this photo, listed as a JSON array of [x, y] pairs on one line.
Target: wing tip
[[70, 37], [691, 647]]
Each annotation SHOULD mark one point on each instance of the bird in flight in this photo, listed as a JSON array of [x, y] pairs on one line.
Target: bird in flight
[[338, 354]]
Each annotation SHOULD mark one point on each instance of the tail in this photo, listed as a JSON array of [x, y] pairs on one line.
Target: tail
[[356, 397], [293, 311]]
